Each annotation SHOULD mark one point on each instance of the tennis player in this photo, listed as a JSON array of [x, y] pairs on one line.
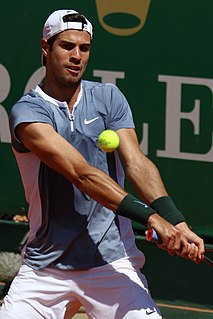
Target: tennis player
[[81, 248]]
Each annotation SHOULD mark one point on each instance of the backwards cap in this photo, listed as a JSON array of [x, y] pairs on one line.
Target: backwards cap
[[59, 21]]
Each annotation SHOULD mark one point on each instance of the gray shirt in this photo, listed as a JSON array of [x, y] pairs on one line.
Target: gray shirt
[[69, 230]]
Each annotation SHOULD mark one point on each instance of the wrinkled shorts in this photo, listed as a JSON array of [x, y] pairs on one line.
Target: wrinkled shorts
[[114, 291]]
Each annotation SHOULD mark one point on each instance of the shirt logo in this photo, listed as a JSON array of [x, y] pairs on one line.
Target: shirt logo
[[149, 311], [141, 203], [90, 121]]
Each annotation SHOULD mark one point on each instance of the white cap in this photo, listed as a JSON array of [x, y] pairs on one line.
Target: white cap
[[58, 22]]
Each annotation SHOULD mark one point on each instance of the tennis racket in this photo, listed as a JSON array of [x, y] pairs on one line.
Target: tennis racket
[[152, 236]]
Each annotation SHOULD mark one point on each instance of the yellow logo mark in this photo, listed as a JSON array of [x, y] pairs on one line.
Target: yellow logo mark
[[122, 17]]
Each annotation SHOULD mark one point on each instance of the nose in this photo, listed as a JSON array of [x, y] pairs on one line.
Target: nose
[[76, 54]]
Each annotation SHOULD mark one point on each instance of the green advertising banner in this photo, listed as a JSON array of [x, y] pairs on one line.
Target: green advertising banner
[[159, 53]]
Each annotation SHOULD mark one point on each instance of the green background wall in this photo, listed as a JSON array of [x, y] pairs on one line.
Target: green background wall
[[159, 53]]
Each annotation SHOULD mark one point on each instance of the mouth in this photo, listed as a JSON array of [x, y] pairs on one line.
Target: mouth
[[74, 70]]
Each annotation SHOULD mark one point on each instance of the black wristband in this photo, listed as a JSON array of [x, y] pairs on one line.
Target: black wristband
[[166, 208], [133, 208]]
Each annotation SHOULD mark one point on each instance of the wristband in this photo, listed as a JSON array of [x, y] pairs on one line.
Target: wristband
[[166, 208], [133, 208]]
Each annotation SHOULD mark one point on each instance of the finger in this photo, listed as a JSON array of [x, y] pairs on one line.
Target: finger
[[201, 250], [184, 247], [193, 252], [171, 252], [168, 242], [175, 243], [172, 246]]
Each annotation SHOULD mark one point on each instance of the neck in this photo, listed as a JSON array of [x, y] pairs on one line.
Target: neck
[[68, 94]]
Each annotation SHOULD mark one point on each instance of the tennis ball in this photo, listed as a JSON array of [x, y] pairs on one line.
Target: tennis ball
[[108, 141]]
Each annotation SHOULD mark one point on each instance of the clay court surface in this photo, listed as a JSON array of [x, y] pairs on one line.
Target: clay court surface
[[172, 311]]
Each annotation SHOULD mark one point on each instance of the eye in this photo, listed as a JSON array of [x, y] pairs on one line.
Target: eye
[[85, 47], [67, 46]]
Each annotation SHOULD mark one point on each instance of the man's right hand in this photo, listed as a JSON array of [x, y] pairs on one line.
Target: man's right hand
[[174, 240], [171, 238]]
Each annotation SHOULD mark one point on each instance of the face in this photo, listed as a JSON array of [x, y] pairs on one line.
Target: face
[[67, 58]]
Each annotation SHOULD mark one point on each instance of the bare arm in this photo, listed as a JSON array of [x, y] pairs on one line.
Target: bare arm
[[140, 171], [57, 153], [146, 180]]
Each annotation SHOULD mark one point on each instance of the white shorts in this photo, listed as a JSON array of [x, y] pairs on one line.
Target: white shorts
[[113, 291]]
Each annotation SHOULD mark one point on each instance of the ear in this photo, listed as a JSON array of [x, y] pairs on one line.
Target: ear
[[44, 47]]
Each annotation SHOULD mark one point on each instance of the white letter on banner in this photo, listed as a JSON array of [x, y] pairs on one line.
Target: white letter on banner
[[174, 116], [108, 76], [144, 142], [4, 91], [36, 78]]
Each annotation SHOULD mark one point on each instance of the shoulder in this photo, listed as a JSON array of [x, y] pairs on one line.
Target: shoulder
[[103, 90], [97, 86], [30, 104], [31, 108], [31, 99]]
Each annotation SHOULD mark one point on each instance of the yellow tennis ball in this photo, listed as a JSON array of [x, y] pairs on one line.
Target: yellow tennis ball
[[108, 141]]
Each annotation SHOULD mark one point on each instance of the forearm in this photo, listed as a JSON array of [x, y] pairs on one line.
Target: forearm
[[146, 180], [100, 187]]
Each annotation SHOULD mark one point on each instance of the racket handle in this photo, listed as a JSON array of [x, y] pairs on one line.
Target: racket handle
[[151, 235]]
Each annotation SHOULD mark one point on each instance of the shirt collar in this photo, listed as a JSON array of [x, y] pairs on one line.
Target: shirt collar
[[49, 98]]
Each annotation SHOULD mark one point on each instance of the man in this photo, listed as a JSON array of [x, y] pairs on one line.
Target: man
[[81, 248]]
